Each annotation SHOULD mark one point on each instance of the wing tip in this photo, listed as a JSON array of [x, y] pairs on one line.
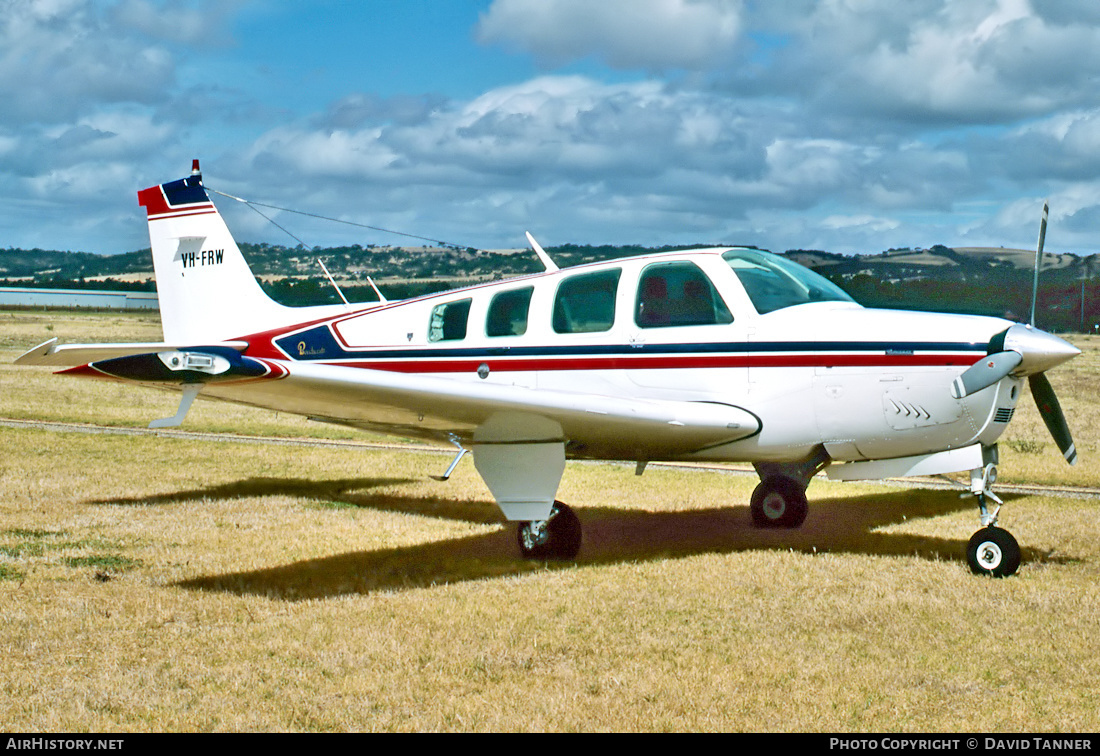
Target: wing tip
[[37, 355]]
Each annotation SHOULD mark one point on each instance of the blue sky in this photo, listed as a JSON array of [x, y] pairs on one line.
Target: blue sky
[[830, 124]]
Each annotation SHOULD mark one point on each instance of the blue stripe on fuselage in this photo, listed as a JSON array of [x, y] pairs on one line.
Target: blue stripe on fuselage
[[319, 344]]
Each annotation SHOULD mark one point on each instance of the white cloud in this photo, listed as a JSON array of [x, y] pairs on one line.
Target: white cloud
[[831, 123], [866, 222], [924, 61], [567, 130], [606, 162], [651, 34], [85, 86], [60, 57], [200, 24], [975, 62]]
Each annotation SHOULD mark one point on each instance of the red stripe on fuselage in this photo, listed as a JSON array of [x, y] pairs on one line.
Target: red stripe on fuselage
[[521, 364]]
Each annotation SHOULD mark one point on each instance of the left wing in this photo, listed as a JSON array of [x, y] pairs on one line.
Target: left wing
[[431, 406], [593, 424]]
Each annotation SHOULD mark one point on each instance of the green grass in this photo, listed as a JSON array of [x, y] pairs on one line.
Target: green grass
[[8, 572], [37, 547], [103, 562]]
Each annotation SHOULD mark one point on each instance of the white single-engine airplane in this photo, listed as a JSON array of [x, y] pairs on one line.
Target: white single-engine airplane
[[726, 354]]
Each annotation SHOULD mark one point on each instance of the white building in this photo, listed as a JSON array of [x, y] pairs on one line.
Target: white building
[[107, 300]]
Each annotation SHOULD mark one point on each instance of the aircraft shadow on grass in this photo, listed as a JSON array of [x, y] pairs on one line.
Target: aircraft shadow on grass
[[339, 491], [849, 525]]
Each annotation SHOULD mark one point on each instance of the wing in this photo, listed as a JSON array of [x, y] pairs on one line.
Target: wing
[[443, 408], [594, 425]]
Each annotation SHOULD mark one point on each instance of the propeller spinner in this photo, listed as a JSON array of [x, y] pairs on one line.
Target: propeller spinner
[[1025, 351]]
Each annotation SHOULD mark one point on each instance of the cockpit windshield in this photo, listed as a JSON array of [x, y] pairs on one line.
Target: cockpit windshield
[[773, 282]]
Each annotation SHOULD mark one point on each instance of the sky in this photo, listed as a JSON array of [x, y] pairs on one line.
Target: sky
[[849, 126]]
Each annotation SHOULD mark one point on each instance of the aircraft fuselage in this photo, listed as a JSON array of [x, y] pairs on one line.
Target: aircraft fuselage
[[865, 383]]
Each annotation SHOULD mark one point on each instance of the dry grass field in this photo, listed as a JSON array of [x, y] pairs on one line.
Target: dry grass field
[[161, 583]]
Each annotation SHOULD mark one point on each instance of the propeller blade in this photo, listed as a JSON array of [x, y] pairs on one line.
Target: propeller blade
[[1052, 415], [985, 373], [1039, 259]]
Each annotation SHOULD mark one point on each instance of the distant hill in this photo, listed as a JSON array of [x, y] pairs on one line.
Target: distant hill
[[38, 264], [916, 262], [980, 280]]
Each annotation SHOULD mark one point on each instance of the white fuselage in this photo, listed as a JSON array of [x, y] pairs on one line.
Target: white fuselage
[[867, 384]]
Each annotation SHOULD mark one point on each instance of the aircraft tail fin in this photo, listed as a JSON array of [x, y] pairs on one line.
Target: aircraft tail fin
[[206, 290]]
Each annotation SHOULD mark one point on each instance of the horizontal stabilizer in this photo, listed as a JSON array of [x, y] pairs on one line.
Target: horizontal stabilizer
[[70, 355]]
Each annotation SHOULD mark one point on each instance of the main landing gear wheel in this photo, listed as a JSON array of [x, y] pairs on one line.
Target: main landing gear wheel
[[556, 537], [778, 502], [993, 551]]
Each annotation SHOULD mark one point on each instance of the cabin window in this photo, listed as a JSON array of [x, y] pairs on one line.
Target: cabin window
[[773, 282], [448, 321], [586, 303], [678, 294], [508, 313]]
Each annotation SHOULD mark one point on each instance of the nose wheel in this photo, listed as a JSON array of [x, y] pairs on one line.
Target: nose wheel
[[992, 551], [556, 537]]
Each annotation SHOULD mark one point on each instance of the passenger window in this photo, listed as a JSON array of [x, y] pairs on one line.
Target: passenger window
[[448, 321], [586, 303], [508, 313], [678, 294]]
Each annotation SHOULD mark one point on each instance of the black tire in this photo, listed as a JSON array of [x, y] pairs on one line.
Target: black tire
[[779, 502], [557, 537], [994, 552]]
